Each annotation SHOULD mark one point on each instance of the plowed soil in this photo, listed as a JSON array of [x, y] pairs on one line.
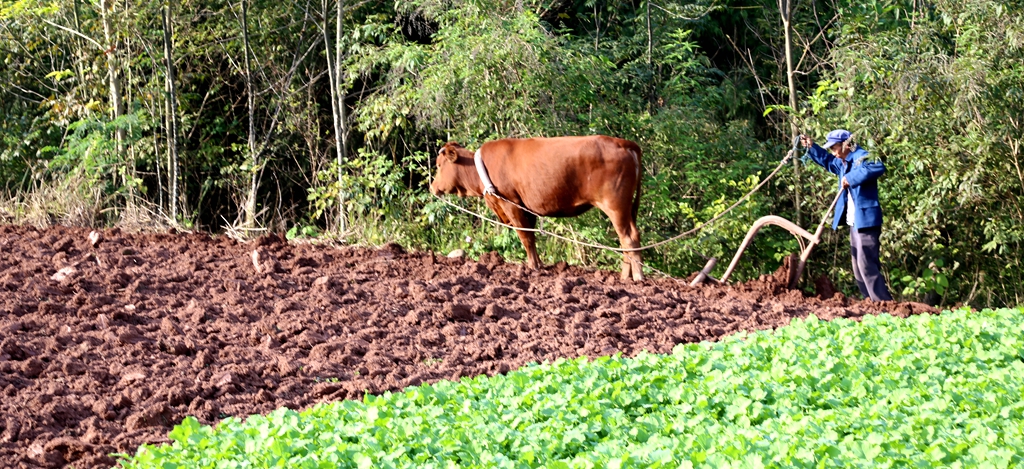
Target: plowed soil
[[105, 347]]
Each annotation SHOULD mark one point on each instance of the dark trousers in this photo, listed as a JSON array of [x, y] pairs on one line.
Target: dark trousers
[[867, 268]]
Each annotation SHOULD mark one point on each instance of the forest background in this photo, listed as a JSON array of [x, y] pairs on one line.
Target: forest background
[[323, 119]]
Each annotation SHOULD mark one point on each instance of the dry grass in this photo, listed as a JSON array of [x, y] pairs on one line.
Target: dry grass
[[74, 202], [240, 231], [60, 202], [139, 215]]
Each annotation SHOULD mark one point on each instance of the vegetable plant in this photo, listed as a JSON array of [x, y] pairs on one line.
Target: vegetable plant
[[926, 391]]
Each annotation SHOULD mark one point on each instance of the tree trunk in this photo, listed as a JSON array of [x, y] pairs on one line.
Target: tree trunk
[[650, 61], [81, 56], [650, 38], [337, 103], [116, 102], [786, 9], [250, 202], [342, 124], [172, 120], [156, 151]]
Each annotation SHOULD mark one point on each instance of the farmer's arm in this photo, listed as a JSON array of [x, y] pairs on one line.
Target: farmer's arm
[[864, 172], [819, 155]]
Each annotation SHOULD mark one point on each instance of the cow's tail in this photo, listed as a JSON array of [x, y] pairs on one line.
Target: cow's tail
[[636, 152]]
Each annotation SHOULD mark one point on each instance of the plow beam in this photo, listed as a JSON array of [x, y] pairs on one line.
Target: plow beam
[[813, 240], [786, 225]]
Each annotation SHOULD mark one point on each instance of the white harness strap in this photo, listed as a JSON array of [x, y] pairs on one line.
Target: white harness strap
[[482, 171]]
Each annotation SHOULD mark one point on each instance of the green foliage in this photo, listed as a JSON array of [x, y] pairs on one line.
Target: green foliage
[[934, 90], [926, 391], [938, 92], [935, 278], [369, 185], [302, 231], [91, 151]]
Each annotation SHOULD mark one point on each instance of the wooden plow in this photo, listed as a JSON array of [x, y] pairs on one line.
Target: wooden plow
[[796, 268]]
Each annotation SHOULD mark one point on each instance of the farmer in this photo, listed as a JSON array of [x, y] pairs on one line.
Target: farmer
[[857, 206]]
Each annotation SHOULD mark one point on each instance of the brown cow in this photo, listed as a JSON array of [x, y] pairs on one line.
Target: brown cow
[[553, 177]]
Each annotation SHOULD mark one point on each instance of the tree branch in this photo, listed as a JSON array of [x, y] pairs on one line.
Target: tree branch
[[76, 33]]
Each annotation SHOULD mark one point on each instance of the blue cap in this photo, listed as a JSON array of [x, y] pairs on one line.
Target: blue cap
[[834, 137]]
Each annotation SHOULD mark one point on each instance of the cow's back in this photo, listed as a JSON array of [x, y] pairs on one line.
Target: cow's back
[[564, 176]]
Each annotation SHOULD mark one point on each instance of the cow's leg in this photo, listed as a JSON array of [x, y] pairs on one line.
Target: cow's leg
[[512, 215], [495, 206], [629, 238], [634, 239], [525, 220]]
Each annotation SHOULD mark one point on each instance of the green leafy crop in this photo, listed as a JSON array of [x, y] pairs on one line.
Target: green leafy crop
[[927, 391]]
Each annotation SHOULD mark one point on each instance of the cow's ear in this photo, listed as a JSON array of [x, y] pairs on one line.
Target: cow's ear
[[450, 154]]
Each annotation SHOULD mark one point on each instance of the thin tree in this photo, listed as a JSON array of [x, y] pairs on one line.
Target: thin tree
[[116, 101], [172, 112], [339, 84], [109, 47], [650, 37], [80, 63], [786, 10], [282, 88], [116, 90], [337, 87], [650, 59], [250, 201]]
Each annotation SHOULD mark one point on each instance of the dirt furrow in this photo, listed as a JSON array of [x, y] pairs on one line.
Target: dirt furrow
[[106, 345]]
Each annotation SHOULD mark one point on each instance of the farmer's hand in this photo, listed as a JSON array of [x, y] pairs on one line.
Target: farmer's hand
[[806, 141], [845, 183]]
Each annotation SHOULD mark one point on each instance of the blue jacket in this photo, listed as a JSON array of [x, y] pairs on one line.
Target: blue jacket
[[862, 174]]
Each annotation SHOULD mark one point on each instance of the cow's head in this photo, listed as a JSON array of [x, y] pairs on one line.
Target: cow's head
[[448, 179]]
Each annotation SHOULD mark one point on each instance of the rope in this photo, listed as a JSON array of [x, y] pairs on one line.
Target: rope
[[663, 274], [614, 249], [601, 246]]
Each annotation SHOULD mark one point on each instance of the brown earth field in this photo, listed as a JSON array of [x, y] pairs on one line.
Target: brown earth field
[[105, 346]]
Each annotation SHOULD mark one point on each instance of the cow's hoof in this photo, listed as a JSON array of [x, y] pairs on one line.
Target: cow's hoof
[[634, 271]]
